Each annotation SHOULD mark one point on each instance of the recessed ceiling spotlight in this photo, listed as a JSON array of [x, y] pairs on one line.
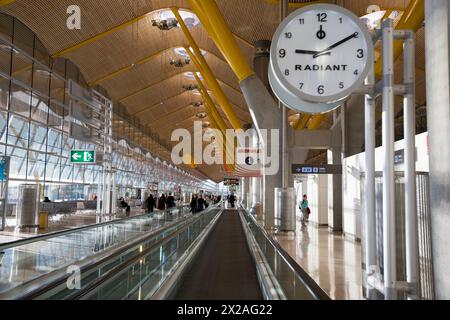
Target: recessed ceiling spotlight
[[201, 115], [197, 104]]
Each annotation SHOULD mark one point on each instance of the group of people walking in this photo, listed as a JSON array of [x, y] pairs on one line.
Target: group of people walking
[[162, 203]]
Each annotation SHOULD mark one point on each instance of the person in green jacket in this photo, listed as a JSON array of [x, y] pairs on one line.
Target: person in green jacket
[[303, 206]]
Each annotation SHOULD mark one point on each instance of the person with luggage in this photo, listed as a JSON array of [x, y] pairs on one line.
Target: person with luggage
[[304, 208]]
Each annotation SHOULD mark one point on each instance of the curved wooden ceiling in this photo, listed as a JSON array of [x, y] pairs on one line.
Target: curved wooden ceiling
[[132, 62]]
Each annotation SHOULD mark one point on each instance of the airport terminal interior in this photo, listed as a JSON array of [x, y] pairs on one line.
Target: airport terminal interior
[[224, 150]]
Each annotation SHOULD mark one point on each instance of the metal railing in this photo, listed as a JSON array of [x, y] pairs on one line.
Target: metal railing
[[285, 273], [99, 269], [21, 242]]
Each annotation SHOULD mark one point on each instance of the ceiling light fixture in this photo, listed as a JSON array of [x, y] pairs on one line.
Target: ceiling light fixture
[[164, 19]]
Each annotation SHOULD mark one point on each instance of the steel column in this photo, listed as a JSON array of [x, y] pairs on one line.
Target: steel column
[[389, 243], [369, 189], [409, 115]]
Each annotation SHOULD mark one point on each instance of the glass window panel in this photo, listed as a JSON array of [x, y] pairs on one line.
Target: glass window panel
[[36, 165], [20, 100], [18, 163], [66, 172], [23, 37], [38, 137], [39, 108], [40, 53], [41, 79], [54, 119], [71, 71], [22, 68], [53, 168], [4, 93], [3, 119], [6, 26], [59, 67], [5, 57], [57, 90], [18, 132]]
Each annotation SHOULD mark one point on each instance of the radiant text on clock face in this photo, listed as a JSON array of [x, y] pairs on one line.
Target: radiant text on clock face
[[321, 52]]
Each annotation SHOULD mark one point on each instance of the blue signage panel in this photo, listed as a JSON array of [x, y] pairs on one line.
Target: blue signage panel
[[3, 169], [316, 169]]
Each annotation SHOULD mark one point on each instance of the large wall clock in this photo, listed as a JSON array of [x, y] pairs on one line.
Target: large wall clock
[[320, 55]]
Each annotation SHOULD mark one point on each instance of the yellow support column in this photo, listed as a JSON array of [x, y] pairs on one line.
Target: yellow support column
[[207, 73], [210, 104], [216, 118], [6, 2], [208, 11]]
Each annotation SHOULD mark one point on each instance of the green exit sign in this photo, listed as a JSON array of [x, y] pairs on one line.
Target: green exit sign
[[82, 156]]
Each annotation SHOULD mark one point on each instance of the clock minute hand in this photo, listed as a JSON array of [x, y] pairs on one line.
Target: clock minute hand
[[320, 53]]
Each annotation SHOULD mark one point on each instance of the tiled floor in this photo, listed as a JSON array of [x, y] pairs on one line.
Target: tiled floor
[[333, 261]]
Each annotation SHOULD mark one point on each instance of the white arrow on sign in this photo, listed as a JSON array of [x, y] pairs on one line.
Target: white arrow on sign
[[76, 156]]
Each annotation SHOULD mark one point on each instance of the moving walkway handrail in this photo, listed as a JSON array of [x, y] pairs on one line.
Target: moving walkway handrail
[[116, 271], [268, 283], [163, 286], [316, 291], [21, 242], [57, 277]]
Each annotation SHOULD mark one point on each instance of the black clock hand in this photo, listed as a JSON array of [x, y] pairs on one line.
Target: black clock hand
[[354, 35], [309, 52]]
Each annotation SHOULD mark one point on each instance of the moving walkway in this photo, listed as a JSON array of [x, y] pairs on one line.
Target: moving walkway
[[216, 254]]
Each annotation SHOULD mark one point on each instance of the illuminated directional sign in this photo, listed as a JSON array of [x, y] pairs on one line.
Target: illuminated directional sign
[[82, 156], [316, 169]]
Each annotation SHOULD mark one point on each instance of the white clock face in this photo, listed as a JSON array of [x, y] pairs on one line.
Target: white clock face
[[321, 53]]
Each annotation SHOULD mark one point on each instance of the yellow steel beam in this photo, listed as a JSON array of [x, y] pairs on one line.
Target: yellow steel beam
[[212, 19], [316, 121], [217, 120], [412, 19], [304, 123], [203, 67], [297, 121], [211, 105], [6, 2]]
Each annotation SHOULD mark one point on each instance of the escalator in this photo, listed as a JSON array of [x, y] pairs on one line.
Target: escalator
[[225, 264]]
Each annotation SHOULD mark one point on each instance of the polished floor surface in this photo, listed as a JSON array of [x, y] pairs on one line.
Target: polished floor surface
[[333, 261]]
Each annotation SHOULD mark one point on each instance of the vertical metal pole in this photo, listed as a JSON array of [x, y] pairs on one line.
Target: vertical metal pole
[[284, 9], [389, 243], [409, 115], [369, 189]]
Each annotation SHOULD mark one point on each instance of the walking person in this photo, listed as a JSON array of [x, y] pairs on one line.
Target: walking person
[[304, 208], [193, 204], [162, 202], [201, 203], [150, 203], [170, 201]]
